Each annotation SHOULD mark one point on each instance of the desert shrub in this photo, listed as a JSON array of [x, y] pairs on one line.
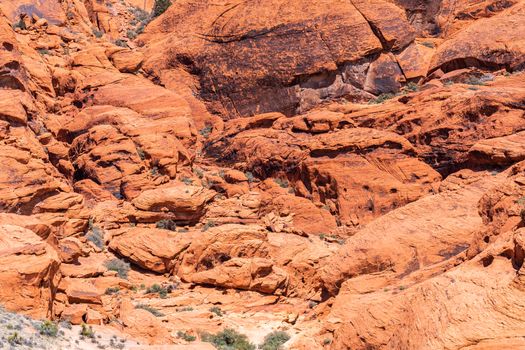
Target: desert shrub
[[381, 98], [428, 44], [206, 131], [95, 235], [216, 310], [410, 87], [208, 225], [229, 339], [112, 290], [98, 33], [184, 309], [186, 336], [274, 340], [66, 324], [15, 339], [167, 224], [249, 176], [150, 309], [20, 24], [187, 181], [47, 328], [43, 51], [131, 34], [282, 182], [122, 43], [160, 7], [155, 288], [118, 265], [87, 331]]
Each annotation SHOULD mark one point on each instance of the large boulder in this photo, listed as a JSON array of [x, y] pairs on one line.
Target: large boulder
[[496, 42], [187, 203], [28, 271], [152, 249], [253, 57]]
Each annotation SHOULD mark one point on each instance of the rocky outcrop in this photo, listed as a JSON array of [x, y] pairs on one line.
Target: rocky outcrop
[[256, 33], [28, 272]]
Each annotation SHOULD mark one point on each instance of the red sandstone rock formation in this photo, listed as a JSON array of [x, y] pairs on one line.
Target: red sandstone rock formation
[[350, 172]]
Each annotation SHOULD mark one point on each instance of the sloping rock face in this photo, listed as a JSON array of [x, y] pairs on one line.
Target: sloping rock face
[[349, 172], [287, 48]]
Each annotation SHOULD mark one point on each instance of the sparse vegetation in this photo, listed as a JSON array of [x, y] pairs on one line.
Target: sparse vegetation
[[184, 309], [95, 235], [381, 98], [167, 224], [87, 331], [282, 182], [112, 290], [249, 176], [327, 341], [410, 87], [66, 324], [198, 172], [98, 33], [15, 339], [274, 340], [121, 43], [216, 310], [43, 52], [186, 336], [229, 339], [428, 44], [150, 309], [208, 225], [120, 266], [187, 181], [131, 34], [20, 25], [160, 7], [206, 131], [47, 328], [155, 288], [141, 153]]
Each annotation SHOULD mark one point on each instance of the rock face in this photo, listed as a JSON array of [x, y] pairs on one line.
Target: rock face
[[257, 34], [351, 173], [498, 43], [28, 271]]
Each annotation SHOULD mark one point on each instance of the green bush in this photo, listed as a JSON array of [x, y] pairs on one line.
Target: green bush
[[229, 339], [216, 310], [167, 224], [15, 339], [48, 328], [118, 265], [274, 340], [186, 336], [150, 309], [381, 98], [160, 7], [155, 288], [87, 331]]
